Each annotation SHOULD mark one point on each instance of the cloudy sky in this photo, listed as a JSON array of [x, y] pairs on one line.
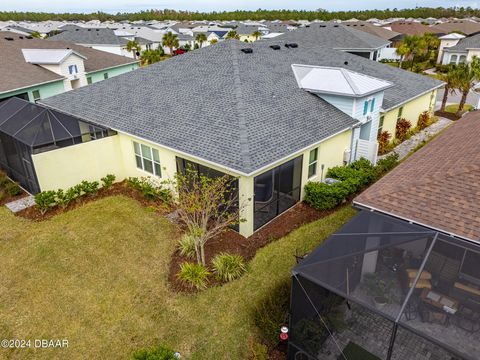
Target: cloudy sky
[[217, 5]]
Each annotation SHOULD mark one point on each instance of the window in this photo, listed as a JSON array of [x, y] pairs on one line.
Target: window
[[453, 59], [400, 113], [462, 59], [147, 159], [312, 163], [368, 104], [89, 80], [372, 106], [105, 76], [36, 95], [380, 125], [72, 69], [96, 132]]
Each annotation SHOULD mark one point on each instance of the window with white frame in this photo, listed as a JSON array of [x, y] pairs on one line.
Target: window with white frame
[[368, 106], [462, 59], [312, 163], [453, 59], [72, 69], [147, 159]]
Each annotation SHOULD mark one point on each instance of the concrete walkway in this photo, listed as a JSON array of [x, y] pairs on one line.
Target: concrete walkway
[[405, 147], [21, 204]]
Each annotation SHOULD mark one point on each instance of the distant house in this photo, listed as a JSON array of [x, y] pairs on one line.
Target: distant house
[[35, 69], [462, 49], [465, 27]]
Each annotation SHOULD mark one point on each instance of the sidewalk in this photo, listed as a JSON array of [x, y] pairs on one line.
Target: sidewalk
[[405, 147]]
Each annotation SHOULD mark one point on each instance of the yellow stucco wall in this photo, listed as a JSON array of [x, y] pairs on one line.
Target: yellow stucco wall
[[411, 111]]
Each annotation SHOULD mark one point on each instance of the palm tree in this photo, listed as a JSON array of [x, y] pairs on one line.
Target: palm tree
[[200, 38], [467, 75], [232, 34], [170, 40], [411, 46], [150, 57], [133, 47], [256, 34], [451, 84], [36, 34], [213, 41]]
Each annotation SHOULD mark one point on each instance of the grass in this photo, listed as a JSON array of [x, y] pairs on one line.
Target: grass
[[452, 108], [97, 277], [353, 351]]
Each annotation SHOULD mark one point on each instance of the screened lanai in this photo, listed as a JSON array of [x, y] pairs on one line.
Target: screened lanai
[[387, 289], [27, 128]]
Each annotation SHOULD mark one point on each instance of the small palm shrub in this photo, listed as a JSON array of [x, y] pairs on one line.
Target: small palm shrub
[[45, 200], [383, 140], [186, 245], [228, 267], [108, 181], [160, 352], [401, 130], [89, 187], [195, 275]]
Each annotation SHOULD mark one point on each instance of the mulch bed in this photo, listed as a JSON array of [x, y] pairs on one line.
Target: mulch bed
[[120, 188], [448, 115], [234, 243]]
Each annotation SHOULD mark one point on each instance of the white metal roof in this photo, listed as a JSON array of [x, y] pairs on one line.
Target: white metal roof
[[337, 81], [48, 56], [452, 36]]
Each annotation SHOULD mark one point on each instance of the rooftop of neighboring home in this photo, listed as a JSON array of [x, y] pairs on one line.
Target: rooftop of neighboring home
[[367, 27], [16, 72], [438, 185], [413, 28], [471, 42], [89, 36], [466, 27], [338, 36], [235, 106], [17, 29]]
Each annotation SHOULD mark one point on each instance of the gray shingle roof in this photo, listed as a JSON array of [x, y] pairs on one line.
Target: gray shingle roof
[[337, 36], [90, 37], [242, 111], [471, 42]]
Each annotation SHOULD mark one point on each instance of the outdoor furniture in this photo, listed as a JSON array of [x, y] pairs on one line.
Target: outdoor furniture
[[436, 307], [468, 316]]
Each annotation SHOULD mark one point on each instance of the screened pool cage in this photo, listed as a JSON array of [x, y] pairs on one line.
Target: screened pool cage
[[27, 129], [387, 288]]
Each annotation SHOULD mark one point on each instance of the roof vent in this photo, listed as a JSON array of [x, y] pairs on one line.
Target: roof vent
[[275, 47], [9, 38], [97, 29], [77, 29], [345, 63], [247, 50], [335, 25], [89, 29], [323, 26], [291, 45], [28, 37], [20, 37], [307, 25]]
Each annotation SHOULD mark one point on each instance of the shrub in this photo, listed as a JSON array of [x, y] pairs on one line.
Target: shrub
[[12, 189], [89, 187], [228, 267], [45, 200], [4, 180], [386, 164], [401, 130], [160, 352], [195, 275], [323, 196], [383, 140], [187, 246], [108, 181], [149, 189], [270, 313], [424, 120]]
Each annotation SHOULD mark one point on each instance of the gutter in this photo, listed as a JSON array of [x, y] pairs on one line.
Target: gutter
[[29, 86], [112, 67], [411, 221]]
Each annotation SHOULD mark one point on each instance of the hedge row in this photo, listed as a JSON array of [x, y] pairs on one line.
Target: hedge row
[[352, 179]]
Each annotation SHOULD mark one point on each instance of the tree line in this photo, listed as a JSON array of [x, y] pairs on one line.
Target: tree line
[[260, 14]]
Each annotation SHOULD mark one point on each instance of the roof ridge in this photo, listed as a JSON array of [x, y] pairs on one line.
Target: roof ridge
[[241, 106], [346, 75]]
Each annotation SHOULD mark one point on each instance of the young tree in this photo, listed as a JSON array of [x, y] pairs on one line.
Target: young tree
[[150, 57], [411, 46], [133, 47], [467, 75], [200, 39], [170, 40], [213, 41], [256, 34], [232, 34], [451, 84], [207, 206]]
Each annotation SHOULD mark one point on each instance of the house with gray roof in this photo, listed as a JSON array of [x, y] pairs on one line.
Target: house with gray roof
[[273, 114], [459, 49]]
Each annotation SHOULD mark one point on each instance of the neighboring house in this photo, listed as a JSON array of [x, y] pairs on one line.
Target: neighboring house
[[99, 39], [17, 30], [463, 51], [401, 279], [285, 124], [35, 69], [466, 27], [411, 28], [447, 41]]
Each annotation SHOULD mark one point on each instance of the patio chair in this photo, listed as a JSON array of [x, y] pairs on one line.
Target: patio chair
[[264, 194], [468, 316]]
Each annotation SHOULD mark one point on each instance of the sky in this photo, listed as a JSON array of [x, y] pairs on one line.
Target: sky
[[113, 6]]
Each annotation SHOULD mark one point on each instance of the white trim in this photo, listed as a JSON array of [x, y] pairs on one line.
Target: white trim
[[112, 67], [411, 221], [413, 98], [30, 86]]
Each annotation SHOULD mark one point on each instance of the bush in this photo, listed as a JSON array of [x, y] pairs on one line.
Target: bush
[[12, 189], [228, 267], [45, 200], [386, 164], [4, 180], [322, 196], [150, 190], [258, 351], [157, 353], [195, 275], [383, 140], [89, 187], [108, 181], [401, 130], [186, 246], [271, 312], [424, 120]]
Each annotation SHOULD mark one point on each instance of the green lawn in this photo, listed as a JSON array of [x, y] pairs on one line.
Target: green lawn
[[454, 107], [97, 277]]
